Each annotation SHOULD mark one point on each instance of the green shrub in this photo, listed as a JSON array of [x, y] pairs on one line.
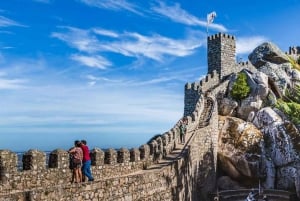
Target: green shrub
[[240, 88], [293, 94], [290, 104], [291, 109]]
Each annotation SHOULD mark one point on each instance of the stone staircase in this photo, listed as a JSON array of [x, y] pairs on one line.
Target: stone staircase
[[206, 113], [241, 195]]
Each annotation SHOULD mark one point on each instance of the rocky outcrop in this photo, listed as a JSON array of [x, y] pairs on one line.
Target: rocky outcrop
[[256, 140], [227, 106], [281, 74], [226, 183], [280, 163], [270, 60], [248, 154], [267, 52], [239, 150]]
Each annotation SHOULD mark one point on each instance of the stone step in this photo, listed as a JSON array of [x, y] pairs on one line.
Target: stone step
[[205, 115]]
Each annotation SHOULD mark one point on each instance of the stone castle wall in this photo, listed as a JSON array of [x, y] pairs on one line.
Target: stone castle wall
[[106, 164], [194, 90], [119, 174]]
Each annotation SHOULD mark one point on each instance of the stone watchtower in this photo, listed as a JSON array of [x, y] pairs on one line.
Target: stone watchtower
[[221, 54]]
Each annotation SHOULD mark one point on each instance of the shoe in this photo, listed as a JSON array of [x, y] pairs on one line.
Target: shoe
[[91, 179]]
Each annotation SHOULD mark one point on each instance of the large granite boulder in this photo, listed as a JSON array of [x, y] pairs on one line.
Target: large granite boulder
[[239, 150], [249, 104], [226, 183], [227, 106], [266, 149], [270, 60], [279, 74], [280, 162], [267, 52]]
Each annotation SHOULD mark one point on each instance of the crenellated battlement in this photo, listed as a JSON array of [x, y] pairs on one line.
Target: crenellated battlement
[[36, 160], [194, 90], [244, 65], [210, 80], [41, 169], [294, 50], [220, 36]]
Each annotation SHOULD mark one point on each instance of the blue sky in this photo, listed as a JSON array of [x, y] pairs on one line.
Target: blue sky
[[113, 71]]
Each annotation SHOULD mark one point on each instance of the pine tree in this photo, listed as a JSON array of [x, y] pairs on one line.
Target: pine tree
[[240, 88]]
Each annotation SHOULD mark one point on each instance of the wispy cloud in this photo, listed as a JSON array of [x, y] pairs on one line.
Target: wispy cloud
[[7, 83], [80, 39], [178, 76], [105, 32], [6, 22], [113, 5], [245, 45], [68, 106], [92, 61], [154, 46], [131, 44], [92, 80], [179, 15]]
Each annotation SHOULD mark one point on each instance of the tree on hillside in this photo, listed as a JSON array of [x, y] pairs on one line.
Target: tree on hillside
[[240, 88]]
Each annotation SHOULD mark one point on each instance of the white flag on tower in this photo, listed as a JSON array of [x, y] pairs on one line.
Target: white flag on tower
[[211, 16]]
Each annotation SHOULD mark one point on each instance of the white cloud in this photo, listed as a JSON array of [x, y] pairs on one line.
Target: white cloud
[[113, 5], [154, 47], [6, 83], [177, 14], [92, 61], [79, 39], [155, 81], [105, 32], [132, 44], [79, 105], [6, 22], [94, 78], [245, 45]]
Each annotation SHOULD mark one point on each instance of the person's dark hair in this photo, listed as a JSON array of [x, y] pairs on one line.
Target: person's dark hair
[[83, 142], [77, 143]]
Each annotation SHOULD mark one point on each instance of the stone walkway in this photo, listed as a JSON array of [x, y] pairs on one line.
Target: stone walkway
[[181, 148], [176, 153]]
